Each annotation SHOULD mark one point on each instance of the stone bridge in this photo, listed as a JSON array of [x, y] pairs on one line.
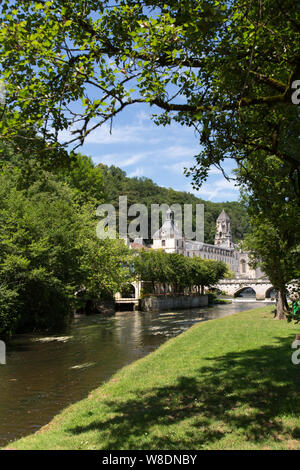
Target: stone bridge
[[233, 287]]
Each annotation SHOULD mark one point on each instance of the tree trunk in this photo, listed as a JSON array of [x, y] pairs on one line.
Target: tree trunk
[[281, 305]]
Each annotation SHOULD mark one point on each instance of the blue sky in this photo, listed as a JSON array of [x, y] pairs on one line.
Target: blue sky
[[141, 148]]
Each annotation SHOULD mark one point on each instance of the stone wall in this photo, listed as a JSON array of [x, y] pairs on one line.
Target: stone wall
[[172, 302]]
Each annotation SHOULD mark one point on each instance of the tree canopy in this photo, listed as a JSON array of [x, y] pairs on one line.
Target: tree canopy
[[274, 217], [228, 68], [177, 271], [49, 248]]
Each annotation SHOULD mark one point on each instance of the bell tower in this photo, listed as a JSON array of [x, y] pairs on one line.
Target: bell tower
[[223, 235]]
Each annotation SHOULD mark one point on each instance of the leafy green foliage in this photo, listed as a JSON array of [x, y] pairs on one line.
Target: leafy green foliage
[[48, 249], [274, 214], [81, 174], [178, 271], [225, 68], [48, 243]]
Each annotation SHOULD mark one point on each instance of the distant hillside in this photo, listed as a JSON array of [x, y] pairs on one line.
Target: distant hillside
[[145, 191]]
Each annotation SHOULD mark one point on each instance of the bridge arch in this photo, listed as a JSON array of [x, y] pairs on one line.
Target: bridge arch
[[233, 287], [248, 289], [271, 292], [129, 292]]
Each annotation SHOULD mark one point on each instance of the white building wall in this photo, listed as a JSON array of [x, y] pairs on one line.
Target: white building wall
[[238, 261]]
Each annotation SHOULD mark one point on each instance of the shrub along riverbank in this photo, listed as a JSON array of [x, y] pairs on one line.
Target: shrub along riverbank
[[223, 384]]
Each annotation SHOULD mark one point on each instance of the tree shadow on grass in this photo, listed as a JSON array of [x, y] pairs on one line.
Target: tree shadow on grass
[[241, 393]]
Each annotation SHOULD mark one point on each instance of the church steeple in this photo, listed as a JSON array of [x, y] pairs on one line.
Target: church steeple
[[170, 215], [223, 235]]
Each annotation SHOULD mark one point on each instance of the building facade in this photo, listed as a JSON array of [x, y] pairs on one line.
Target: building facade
[[171, 239]]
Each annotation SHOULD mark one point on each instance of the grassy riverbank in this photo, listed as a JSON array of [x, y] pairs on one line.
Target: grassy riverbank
[[223, 384]]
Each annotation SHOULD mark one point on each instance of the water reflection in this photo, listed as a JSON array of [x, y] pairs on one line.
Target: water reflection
[[45, 374]]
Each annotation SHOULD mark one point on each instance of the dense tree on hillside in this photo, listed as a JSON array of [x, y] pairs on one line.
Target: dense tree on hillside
[[49, 249], [145, 191], [31, 156], [84, 177]]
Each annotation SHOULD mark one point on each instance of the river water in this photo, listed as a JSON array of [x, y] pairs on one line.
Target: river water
[[44, 374]]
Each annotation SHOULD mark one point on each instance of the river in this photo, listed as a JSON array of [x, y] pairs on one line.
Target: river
[[44, 374]]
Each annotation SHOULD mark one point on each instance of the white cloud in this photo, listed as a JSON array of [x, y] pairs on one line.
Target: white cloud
[[212, 190], [142, 132], [127, 134], [178, 168], [179, 151], [153, 156], [140, 171], [122, 160], [124, 134], [215, 171], [117, 135], [143, 116]]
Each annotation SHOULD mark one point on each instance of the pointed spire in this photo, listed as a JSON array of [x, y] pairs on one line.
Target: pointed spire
[[223, 216], [170, 215], [223, 235]]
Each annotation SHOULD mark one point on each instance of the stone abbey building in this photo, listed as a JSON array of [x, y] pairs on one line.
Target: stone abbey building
[[170, 239]]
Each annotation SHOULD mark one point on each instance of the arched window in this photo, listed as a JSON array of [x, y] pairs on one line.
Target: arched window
[[243, 266]]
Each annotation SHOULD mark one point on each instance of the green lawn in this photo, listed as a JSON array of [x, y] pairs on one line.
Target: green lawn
[[223, 384]]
